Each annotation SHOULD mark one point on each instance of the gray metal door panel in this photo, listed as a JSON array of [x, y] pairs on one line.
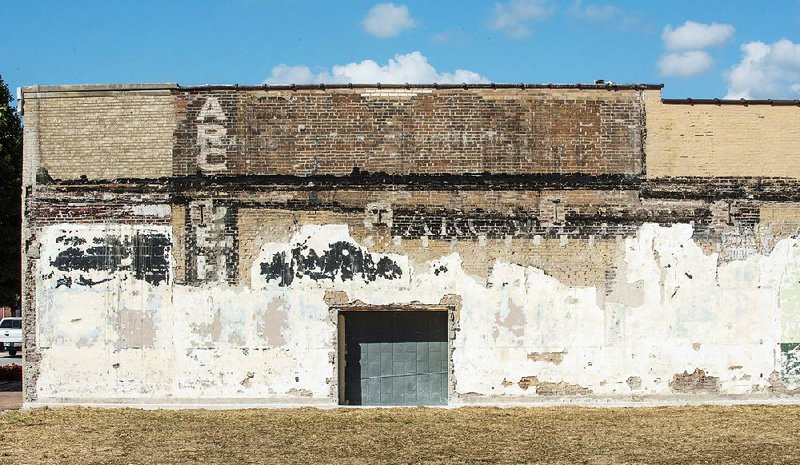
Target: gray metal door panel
[[396, 358]]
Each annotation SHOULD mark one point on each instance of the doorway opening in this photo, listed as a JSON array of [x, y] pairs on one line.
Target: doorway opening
[[393, 357]]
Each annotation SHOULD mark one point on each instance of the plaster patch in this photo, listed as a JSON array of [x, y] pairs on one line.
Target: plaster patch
[[136, 329], [271, 323]]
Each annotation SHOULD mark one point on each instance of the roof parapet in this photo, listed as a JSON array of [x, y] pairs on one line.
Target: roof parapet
[[98, 87], [717, 101], [95, 90], [54, 89], [68, 90], [591, 86]]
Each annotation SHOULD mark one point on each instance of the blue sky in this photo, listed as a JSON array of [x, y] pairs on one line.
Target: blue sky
[[729, 48]]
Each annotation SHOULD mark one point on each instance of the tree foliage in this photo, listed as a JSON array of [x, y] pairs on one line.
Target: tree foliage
[[10, 198]]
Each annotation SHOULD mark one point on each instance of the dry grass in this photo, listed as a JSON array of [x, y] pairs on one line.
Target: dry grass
[[744, 434]]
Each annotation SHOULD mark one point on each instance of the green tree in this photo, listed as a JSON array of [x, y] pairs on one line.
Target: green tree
[[10, 198]]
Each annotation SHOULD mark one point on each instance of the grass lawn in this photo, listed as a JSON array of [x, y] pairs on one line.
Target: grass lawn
[[669, 435]]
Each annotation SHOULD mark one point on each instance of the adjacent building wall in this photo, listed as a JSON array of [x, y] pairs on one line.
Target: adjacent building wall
[[721, 140], [568, 272], [99, 132]]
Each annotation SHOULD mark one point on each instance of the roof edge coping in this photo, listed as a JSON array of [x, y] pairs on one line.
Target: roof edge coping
[[717, 101], [596, 86], [174, 86], [98, 87]]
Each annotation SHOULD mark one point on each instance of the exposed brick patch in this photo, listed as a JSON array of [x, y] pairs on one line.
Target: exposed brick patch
[[546, 388], [634, 382], [527, 381], [695, 382], [333, 297], [550, 357], [777, 385]]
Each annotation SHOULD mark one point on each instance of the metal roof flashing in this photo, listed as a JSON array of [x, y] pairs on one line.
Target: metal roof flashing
[[50, 91], [717, 101], [36, 89]]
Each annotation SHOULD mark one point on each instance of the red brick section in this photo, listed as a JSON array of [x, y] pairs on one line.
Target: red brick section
[[455, 131], [92, 204]]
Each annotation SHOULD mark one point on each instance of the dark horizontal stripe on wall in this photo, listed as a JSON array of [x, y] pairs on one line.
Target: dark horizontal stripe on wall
[[482, 181], [722, 188]]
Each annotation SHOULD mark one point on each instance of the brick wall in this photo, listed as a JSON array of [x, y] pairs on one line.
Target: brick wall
[[102, 134], [554, 224], [721, 140], [307, 132], [141, 132]]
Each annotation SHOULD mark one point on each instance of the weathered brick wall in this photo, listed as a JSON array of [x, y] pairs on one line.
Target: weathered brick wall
[[422, 131], [568, 271], [721, 140], [579, 261], [103, 134], [151, 133]]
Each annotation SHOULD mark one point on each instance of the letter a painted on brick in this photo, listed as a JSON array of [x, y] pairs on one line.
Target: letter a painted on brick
[[211, 109]]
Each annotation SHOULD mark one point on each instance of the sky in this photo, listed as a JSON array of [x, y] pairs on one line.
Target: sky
[[698, 49]]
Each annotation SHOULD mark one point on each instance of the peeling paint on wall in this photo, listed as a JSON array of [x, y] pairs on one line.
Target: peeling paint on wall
[[93, 255], [341, 260], [173, 341]]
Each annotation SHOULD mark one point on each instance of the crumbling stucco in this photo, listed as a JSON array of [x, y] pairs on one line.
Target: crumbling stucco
[[695, 382], [278, 338]]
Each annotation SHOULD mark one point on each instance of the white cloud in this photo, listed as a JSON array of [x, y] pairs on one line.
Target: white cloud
[[441, 38], [604, 13], [766, 71], [692, 35], [687, 42], [412, 68], [593, 11], [387, 20], [511, 17], [685, 63], [285, 74]]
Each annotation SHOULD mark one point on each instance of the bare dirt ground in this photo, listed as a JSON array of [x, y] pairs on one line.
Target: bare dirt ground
[[669, 435]]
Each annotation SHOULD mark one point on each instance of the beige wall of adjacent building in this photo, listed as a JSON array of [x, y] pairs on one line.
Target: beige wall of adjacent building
[[721, 140], [101, 135]]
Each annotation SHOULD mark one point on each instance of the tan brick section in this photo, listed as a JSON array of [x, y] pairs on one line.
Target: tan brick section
[[105, 135], [721, 140]]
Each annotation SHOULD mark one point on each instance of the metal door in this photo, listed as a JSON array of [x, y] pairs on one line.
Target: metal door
[[395, 358]]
